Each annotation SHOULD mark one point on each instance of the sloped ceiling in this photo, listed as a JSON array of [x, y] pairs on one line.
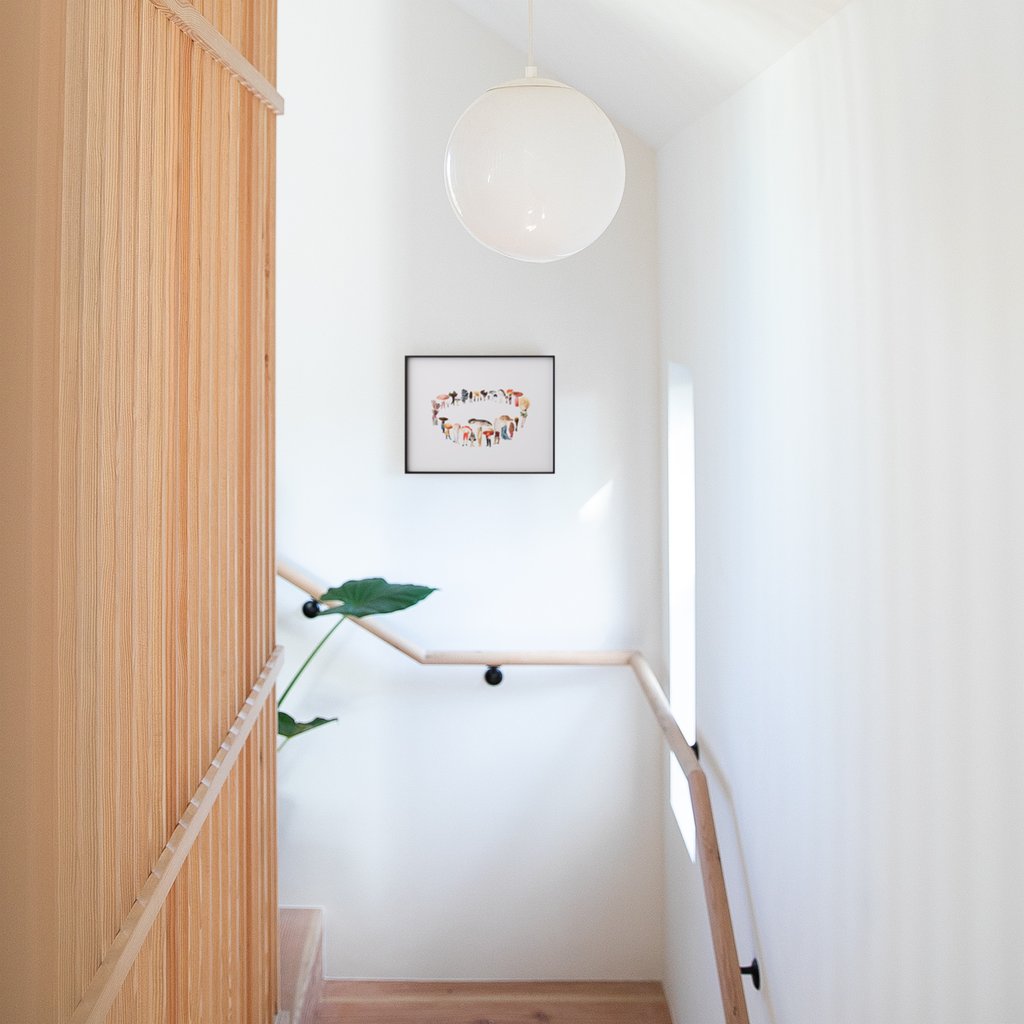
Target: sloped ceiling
[[655, 65]]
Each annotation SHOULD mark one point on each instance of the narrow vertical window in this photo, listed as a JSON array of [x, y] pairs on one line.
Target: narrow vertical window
[[681, 576]]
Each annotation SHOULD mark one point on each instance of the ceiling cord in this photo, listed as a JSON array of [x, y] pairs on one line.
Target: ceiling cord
[[531, 68]]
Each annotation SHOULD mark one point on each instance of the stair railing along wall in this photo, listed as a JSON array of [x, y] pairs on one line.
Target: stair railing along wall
[[730, 975], [144, 847]]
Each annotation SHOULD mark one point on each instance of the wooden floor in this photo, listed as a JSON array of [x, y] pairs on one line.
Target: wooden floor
[[377, 1002]]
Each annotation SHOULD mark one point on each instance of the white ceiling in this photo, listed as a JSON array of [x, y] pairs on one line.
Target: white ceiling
[[655, 65]]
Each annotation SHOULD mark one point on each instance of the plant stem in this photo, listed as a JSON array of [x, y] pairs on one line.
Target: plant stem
[[312, 655]]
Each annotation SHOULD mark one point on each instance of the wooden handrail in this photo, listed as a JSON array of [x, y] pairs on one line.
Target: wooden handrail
[[723, 939]]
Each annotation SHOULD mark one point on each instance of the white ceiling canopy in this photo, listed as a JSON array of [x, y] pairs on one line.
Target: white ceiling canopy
[[655, 65]]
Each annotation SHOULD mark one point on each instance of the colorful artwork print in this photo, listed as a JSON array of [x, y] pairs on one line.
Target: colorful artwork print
[[513, 406], [480, 414]]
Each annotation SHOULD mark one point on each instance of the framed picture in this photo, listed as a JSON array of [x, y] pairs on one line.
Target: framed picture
[[479, 414]]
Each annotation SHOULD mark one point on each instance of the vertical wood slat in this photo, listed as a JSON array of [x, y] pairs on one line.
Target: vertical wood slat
[[162, 464]]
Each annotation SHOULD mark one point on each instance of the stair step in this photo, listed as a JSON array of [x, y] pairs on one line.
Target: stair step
[[301, 938], [583, 1002]]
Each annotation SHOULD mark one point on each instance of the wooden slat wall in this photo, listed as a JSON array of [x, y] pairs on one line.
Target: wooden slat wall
[[225, 944], [248, 26], [157, 444]]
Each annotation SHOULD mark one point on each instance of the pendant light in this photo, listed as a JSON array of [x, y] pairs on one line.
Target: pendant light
[[534, 169]]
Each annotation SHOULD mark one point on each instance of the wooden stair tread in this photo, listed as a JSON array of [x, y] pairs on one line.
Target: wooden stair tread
[[300, 935], [586, 1002]]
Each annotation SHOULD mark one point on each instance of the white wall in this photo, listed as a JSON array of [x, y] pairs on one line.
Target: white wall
[[450, 829], [842, 256]]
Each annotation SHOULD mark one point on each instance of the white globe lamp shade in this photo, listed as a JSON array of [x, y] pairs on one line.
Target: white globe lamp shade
[[534, 170]]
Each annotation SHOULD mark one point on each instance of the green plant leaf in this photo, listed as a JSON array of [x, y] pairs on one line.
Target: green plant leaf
[[288, 727], [374, 597]]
